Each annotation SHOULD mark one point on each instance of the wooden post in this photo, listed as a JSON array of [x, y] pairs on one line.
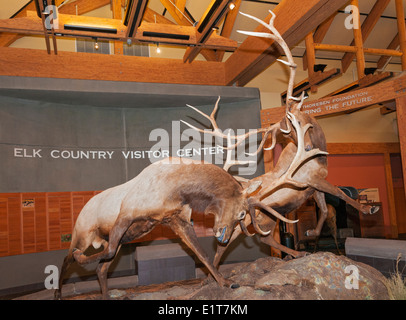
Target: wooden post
[[359, 43], [311, 59], [401, 115], [391, 197], [401, 31], [116, 7]]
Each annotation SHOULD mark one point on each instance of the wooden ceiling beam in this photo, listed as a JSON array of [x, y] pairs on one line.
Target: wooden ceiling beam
[[319, 35], [90, 66], [400, 14], [147, 32], [173, 11], [294, 20], [79, 6], [205, 28], [133, 16], [228, 25], [186, 19], [383, 61], [366, 28]]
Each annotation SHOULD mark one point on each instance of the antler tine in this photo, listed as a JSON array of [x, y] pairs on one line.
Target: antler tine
[[238, 138], [229, 161], [278, 38]]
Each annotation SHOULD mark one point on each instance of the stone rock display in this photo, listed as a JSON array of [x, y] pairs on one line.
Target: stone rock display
[[320, 276]]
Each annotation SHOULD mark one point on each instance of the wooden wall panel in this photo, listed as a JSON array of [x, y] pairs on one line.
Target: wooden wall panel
[[14, 212], [3, 227], [38, 222]]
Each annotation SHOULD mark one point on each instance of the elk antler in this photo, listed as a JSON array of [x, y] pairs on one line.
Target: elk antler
[[238, 138], [276, 36], [300, 158]]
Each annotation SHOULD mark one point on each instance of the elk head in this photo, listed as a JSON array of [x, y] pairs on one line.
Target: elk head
[[235, 210]]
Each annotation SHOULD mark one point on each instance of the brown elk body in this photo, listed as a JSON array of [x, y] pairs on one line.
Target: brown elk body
[[166, 193]]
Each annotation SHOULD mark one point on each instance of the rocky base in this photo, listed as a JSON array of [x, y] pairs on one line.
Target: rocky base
[[320, 276]]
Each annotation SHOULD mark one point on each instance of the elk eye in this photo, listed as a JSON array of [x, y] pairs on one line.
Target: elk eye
[[241, 215]]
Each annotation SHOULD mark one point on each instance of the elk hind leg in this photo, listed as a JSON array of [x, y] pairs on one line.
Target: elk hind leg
[[110, 250], [324, 186], [321, 203]]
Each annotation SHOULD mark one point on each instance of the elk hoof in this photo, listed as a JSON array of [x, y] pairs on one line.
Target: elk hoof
[[234, 286], [374, 209], [310, 233]]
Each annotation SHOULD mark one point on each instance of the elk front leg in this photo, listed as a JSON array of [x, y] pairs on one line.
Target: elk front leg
[[324, 186], [187, 234]]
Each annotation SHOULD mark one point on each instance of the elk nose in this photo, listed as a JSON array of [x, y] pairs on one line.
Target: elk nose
[[220, 235]]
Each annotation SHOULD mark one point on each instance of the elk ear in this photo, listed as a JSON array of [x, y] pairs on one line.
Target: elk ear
[[252, 187]]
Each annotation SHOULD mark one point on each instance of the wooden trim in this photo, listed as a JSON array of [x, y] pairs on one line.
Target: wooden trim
[[385, 91], [362, 148], [37, 63]]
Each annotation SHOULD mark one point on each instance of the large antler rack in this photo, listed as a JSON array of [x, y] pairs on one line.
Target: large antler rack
[[301, 157], [217, 132], [276, 36]]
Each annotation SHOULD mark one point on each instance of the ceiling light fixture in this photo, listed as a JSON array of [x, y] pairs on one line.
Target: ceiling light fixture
[[232, 6], [158, 50]]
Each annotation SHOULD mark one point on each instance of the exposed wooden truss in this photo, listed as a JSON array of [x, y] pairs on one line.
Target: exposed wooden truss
[[356, 50], [296, 20]]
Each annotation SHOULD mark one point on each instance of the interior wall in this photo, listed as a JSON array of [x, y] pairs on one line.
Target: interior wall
[[51, 142], [361, 172]]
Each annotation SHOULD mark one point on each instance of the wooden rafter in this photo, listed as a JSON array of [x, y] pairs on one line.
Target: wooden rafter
[[228, 25], [186, 20], [147, 32], [366, 29], [79, 6], [205, 28], [133, 16], [400, 13], [385, 59], [294, 20], [319, 35], [116, 8]]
